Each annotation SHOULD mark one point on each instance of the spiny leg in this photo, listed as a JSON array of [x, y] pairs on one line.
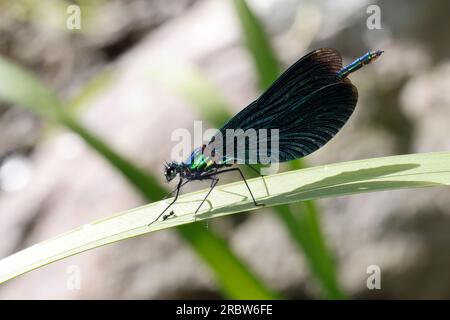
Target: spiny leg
[[180, 184]]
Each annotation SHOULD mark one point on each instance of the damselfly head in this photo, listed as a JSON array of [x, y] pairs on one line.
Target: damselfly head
[[170, 171]]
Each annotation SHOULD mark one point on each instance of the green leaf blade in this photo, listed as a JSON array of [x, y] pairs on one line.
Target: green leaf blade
[[406, 171], [259, 45]]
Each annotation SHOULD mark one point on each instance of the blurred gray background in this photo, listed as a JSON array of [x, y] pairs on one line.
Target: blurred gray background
[[51, 182]]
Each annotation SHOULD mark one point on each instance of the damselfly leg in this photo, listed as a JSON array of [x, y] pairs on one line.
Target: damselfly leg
[[214, 176], [214, 181], [180, 184]]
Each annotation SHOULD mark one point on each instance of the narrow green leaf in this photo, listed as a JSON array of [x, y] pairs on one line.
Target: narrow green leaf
[[397, 172]]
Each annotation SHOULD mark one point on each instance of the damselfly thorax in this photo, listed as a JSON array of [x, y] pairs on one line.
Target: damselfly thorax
[[202, 162]]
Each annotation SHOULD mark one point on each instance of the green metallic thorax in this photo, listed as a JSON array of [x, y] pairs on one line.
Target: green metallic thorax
[[200, 162]]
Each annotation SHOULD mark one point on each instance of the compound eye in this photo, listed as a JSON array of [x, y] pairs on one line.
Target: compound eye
[[171, 172]]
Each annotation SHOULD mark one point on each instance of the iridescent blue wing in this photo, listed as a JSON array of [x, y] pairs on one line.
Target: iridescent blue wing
[[308, 104], [323, 114], [312, 72]]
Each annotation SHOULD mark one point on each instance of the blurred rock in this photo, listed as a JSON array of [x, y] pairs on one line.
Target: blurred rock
[[425, 97], [403, 107], [19, 131]]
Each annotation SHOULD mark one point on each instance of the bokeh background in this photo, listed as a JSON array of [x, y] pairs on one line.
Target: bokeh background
[[137, 70]]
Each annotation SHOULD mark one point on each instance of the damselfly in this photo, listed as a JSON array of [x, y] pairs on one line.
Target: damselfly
[[307, 105]]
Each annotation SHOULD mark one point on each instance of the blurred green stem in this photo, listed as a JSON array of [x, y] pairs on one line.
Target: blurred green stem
[[302, 222], [145, 183], [256, 40]]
